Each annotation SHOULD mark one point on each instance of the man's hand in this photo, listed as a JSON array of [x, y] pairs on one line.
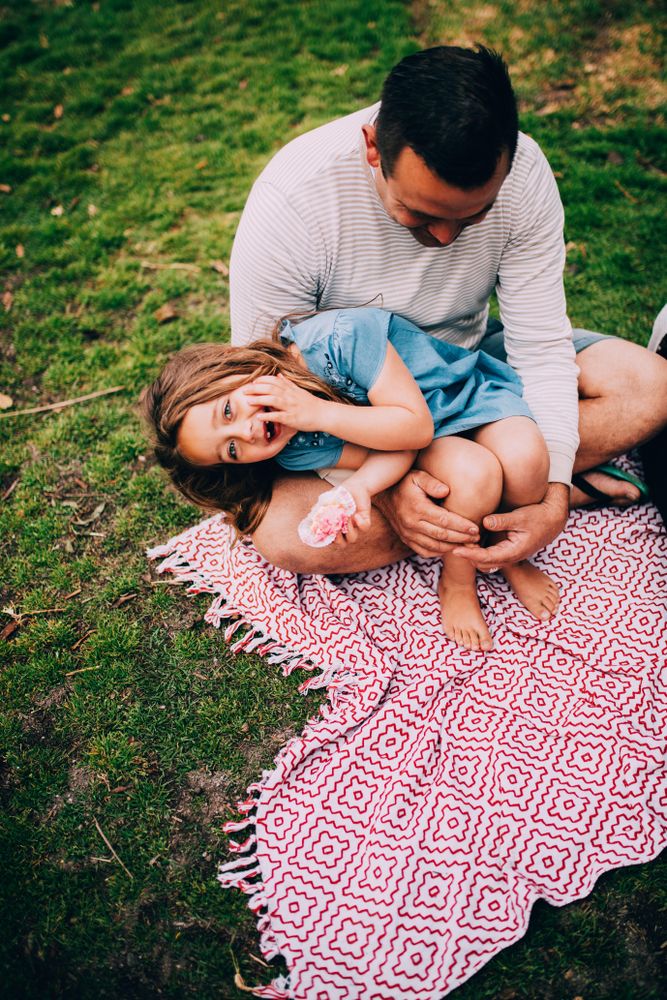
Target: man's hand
[[420, 523], [528, 529]]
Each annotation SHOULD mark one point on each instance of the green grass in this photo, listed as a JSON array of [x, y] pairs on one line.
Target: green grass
[[142, 124]]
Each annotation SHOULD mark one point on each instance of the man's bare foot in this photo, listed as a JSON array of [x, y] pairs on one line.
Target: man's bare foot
[[462, 616], [621, 493], [537, 592]]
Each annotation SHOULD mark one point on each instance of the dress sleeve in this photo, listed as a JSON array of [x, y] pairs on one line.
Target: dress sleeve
[[325, 456], [359, 344]]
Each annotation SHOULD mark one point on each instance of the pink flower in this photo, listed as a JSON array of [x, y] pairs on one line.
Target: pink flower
[[330, 516]]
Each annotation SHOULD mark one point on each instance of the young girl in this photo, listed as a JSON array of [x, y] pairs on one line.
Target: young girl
[[227, 419]]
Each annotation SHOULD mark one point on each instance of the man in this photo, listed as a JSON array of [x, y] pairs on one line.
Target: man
[[424, 205]]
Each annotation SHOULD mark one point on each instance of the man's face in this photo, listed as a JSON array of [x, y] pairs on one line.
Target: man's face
[[435, 212]]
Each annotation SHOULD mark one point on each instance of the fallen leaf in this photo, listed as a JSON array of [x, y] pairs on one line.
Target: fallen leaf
[[85, 521], [165, 313], [58, 111], [340, 70], [5, 401], [9, 629], [126, 91], [20, 251], [7, 300], [201, 164], [6, 118], [220, 267], [58, 210], [92, 210], [5, 188], [550, 108], [243, 84]]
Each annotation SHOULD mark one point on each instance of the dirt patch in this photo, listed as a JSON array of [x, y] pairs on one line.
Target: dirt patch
[[54, 698], [620, 66], [204, 796], [202, 800], [256, 754], [79, 781]]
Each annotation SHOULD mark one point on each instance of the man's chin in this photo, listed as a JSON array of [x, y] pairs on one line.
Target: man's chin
[[425, 239]]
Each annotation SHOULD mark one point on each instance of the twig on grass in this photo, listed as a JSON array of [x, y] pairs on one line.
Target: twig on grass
[[82, 639], [148, 265], [626, 194], [258, 960], [18, 616], [10, 489], [106, 841], [81, 670], [62, 404]]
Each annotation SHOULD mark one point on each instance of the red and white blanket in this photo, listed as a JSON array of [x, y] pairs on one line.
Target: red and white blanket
[[401, 840]]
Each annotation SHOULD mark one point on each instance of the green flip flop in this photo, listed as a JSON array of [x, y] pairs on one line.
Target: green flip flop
[[579, 480]]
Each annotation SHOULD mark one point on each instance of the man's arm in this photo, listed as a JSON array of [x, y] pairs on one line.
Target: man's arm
[[538, 340], [531, 296], [274, 266]]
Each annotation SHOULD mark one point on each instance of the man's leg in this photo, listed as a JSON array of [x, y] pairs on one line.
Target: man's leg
[[278, 541], [623, 403]]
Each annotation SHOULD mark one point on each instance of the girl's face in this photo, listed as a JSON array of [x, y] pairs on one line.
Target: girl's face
[[229, 429]]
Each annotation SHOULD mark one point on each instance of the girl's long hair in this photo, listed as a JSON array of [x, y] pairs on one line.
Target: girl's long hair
[[198, 374]]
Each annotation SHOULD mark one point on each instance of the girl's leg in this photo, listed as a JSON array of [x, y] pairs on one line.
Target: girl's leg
[[474, 477], [519, 447]]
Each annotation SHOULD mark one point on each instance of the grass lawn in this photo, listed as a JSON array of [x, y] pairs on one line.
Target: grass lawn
[[131, 132]]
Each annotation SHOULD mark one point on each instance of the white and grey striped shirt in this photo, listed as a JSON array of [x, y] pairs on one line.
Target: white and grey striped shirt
[[315, 235]]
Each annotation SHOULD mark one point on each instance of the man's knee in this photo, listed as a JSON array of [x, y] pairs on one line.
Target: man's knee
[[277, 538], [615, 367]]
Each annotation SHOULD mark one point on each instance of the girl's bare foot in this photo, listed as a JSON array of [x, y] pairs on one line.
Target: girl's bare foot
[[462, 616], [537, 592]]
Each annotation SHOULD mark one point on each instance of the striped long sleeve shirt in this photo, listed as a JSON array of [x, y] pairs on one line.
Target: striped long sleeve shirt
[[315, 235]]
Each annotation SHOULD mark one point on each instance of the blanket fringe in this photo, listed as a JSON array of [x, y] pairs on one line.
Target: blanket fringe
[[243, 872]]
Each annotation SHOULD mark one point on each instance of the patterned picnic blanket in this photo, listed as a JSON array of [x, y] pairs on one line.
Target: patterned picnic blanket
[[400, 841]]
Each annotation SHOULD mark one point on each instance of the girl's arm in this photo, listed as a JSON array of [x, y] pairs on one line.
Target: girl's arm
[[378, 471], [397, 418]]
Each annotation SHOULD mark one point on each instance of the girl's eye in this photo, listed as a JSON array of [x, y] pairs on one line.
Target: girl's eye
[[231, 450], [227, 411]]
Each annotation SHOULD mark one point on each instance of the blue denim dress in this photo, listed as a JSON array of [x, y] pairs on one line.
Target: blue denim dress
[[347, 348]]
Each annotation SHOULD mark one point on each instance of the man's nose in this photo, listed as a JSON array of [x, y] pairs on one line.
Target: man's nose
[[444, 232]]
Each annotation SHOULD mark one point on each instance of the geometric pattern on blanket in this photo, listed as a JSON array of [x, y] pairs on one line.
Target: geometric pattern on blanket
[[400, 841]]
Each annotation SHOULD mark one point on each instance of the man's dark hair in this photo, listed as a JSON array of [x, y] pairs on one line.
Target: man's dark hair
[[455, 108]]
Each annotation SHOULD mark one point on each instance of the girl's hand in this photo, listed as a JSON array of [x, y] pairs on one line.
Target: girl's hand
[[361, 519], [286, 403]]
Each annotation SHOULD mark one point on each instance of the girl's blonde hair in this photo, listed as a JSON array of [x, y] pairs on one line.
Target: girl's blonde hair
[[198, 374]]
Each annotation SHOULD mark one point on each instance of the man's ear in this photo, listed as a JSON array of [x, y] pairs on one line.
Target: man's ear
[[372, 154]]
